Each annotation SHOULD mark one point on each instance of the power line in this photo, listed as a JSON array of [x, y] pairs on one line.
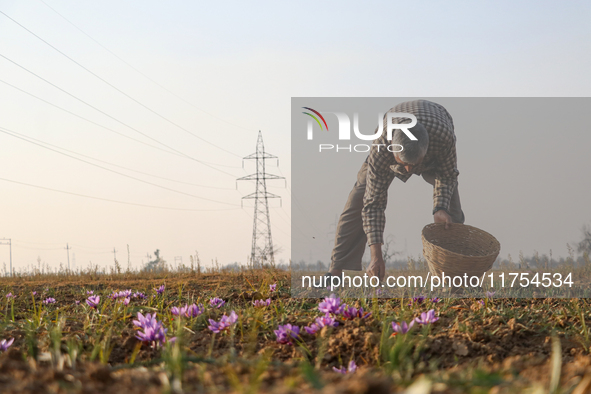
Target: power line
[[105, 127], [34, 248], [116, 201], [117, 89], [111, 117], [9, 132], [113, 164], [298, 205], [141, 73], [36, 243]]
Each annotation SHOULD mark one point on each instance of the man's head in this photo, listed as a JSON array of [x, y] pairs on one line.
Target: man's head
[[413, 152]]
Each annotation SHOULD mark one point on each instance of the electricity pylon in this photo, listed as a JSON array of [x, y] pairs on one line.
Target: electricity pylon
[[262, 241]]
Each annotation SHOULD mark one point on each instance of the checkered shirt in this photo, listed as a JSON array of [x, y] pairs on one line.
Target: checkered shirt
[[382, 167]]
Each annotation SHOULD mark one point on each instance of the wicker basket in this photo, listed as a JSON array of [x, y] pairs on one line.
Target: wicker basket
[[459, 250]]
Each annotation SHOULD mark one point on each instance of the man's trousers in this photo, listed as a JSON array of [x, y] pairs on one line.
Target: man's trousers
[[350, 239]]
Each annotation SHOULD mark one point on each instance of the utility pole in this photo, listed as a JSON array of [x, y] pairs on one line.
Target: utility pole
[[68, 249], [332, 232], [114, 255], [262, 241], [180, 261], [8, 241]]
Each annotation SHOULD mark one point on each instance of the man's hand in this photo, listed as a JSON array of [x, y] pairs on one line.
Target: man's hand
[[442, 217], [377, 266]]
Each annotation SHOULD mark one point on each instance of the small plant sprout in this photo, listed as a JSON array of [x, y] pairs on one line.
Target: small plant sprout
[[402, 328], [350, 369], [261, 303], [332, 305], [217, 302], [287, 333], [350, 313], [93, 301], [4, 344], [194, 310], [224, 323], [49, 300], [324, 321], [427, 317]]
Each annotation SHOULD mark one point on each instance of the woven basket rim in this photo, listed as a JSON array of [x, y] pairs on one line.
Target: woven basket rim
[[455, 254]]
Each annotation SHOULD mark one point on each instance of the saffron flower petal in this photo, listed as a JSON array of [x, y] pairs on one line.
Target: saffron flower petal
[[287, 333], [4, 344], [93, 301], [216, 302], [427, 317]]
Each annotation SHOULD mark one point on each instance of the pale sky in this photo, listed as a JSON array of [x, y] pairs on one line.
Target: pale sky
[[238, 64]]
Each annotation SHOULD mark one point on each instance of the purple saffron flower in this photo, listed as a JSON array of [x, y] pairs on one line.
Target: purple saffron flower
[[93, 301], [402, 328], [481, 302], [324, 321], [350, 313], [160, 290], [273, 287], [153, 330], [417, 300], [121, 294], [77, 302], [224, 323], [490, 294], [332, 305], [261, 303], [179, 311], [351, 368], [142, 320], [137, 294], [4, 344], [427, 317], [49, 300], [216, 302], [435, 300], [125, 301], [287, 333], [89, 292], [194, 310], [34, 293], [9, 296]]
